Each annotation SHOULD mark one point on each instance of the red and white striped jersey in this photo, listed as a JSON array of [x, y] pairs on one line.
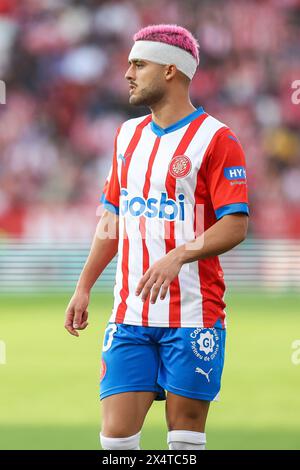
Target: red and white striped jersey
[[163, 183]]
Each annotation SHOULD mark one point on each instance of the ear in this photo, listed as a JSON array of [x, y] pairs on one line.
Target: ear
[[170, 71]]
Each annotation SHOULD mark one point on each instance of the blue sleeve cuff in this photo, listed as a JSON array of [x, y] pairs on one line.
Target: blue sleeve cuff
[[232, 209], [108, 205]]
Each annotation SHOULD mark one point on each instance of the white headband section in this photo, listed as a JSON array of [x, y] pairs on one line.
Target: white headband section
[[164, 54]]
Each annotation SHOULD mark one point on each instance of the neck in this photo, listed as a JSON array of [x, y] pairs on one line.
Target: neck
[[170, 110]]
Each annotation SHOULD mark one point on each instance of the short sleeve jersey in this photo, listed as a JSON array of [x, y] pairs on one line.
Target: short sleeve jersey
[[168, 186]]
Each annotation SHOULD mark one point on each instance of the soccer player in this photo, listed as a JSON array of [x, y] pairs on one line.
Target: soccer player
[[176, 197]]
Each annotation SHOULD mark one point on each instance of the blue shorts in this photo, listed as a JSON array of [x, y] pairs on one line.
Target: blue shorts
[[185, 361]]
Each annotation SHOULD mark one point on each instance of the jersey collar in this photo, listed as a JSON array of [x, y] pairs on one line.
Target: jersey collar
[[159, 131]]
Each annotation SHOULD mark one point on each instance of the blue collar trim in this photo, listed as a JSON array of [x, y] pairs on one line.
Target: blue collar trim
[[159, 131]]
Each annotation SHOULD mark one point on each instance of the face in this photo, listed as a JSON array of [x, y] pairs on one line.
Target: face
[[146, 82]]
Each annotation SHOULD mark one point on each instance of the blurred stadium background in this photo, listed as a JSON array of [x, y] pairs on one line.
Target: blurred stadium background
[[63, 64]]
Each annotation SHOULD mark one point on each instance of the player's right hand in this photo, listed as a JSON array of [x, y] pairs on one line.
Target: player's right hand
[[76, 313]]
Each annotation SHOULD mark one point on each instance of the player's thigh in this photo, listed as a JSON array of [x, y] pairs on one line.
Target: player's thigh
[[128, 385], [123, 414], [130, 361], [186, 413], [191, 367]]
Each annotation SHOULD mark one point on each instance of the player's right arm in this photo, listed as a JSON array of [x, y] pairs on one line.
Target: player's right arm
[[104, 248]]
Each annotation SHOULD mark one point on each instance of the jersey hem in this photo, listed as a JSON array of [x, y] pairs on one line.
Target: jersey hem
[[169, 325]]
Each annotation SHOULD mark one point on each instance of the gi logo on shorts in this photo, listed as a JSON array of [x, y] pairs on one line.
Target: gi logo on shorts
[[205, 344]]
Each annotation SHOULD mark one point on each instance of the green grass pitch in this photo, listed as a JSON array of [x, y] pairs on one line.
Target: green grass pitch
[[49, 384]]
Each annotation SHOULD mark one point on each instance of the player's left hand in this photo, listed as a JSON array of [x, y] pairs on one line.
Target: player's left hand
[[159, 276]]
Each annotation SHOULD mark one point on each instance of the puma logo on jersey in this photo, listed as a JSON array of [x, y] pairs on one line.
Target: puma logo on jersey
[[202, 372], [123, 157]]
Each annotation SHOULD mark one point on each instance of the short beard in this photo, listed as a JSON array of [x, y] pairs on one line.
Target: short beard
[[148, 96]]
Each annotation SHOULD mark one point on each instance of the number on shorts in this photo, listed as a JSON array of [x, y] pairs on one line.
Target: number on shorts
[[110, 331]]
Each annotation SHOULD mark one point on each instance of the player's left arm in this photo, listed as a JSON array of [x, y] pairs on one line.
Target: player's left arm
[[224, 235], [226, 179]]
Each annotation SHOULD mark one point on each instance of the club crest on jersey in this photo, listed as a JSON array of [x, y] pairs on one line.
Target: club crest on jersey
[[180, 166], [205, 343]]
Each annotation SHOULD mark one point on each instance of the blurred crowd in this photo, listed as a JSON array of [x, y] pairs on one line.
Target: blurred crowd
[[63, 63]]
